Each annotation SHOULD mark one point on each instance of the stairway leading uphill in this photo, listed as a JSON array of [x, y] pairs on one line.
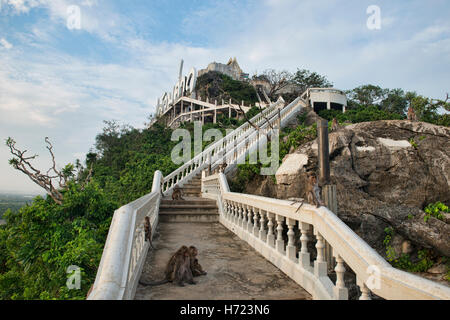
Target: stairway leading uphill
[[192, 209]]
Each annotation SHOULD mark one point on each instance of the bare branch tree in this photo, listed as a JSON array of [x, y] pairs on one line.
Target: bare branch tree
[[278, 80], [46, 181]]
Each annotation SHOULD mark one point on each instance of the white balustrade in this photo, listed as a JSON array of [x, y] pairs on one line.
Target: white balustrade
[[125, 248], [347, 248]]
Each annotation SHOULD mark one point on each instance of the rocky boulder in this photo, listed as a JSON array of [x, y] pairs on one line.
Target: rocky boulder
[[386, 172]]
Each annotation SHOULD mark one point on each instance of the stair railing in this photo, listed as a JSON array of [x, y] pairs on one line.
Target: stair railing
[[126, 249], [261, 223], [201, 161]]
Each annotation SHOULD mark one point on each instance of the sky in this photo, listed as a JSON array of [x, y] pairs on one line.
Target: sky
[[61, 77]]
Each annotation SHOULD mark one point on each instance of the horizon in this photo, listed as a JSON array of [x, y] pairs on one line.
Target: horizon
[[62, 80]]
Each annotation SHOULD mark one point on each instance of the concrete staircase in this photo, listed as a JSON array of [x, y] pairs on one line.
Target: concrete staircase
[[192, 209]]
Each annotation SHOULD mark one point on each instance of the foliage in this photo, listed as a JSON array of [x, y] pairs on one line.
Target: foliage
[[404, 261], [42, 240], [413, 143], [306, 79], [360, 114], [436, 210], [217, 86]]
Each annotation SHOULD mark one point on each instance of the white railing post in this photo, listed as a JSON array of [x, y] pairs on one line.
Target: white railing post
[[320, 265], [304, 256], [291, 251], [255, 222], [365, 292], [340, 291], [280, 241], [262, 231], [270, 234]]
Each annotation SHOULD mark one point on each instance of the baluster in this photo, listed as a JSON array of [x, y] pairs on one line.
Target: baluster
[[241, 214], [233, 211], [304, 257], [291, 250], [365, 292], [320, 265], [243, 224], [255, 222], [262, 231], [239, 217], [280, 241], [249, 221], [270, 234], [340, 291]]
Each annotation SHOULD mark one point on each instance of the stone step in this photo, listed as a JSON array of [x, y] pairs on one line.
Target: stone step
[[188, 201], [189, 188], [188, 207], [188, 216]]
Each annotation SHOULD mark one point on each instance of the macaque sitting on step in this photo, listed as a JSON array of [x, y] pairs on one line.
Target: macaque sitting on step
[[177, 193]]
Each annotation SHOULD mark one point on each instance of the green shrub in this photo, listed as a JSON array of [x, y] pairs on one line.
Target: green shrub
[[436, 210]]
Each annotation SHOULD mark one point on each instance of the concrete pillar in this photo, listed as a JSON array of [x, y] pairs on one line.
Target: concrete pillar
[[324, 152], [329, 105]]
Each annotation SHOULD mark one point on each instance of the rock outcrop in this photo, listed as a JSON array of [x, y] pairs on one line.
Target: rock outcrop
[[386, 172]]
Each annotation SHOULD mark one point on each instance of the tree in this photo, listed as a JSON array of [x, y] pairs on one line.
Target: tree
[[23, 163], [395, 101], [277, 80], [306, 79], [367, 95], [426, 109]]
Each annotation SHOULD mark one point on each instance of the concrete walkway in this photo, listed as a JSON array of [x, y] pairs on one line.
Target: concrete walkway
[[235, 270]]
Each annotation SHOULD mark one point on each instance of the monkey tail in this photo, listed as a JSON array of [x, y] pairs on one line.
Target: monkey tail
[[157, 283]]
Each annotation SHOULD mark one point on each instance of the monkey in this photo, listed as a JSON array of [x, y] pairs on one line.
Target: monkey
[[335, 125], [411, 114], [222, 167], [177, 193], [148, 231], [183, 270], [179, 260], [196, 268], [313, 192]]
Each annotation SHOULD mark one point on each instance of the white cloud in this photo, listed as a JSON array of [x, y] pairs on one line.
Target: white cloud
[[5, 43]]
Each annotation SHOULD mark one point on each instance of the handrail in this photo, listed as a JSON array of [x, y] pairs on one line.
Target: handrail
[[199, 162], [239, 212], [249, 144], [125, 248]]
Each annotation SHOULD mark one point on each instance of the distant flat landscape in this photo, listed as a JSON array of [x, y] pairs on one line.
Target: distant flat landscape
[[13, 202]]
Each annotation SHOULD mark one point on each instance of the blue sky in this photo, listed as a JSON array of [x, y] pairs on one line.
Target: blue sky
[[63, 83]]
